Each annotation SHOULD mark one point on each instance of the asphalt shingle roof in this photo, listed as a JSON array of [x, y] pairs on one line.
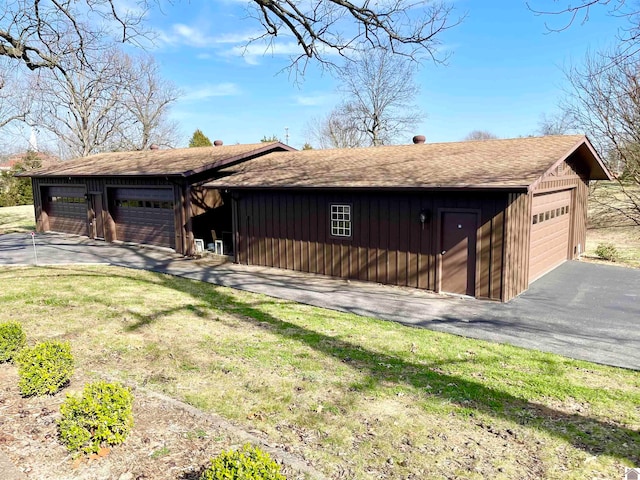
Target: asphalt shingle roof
[[183, 161], [480, 164]]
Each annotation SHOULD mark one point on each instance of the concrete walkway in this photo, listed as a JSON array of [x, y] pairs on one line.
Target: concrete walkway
[[580, 310]]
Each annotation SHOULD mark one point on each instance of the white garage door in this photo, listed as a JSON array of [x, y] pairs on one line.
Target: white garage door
[[551, 221]]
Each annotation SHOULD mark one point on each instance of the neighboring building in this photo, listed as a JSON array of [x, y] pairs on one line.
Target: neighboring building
[[46, 160], [483, 218], [148, 197]]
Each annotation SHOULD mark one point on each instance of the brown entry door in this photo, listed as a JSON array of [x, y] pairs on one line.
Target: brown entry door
[[98, 218], [458, 252]]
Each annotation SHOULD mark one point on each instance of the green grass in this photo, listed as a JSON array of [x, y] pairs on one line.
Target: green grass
[[358, 397], [17, 219]]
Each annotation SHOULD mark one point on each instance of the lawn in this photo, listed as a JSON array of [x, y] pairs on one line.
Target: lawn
[[357, 397], [17, 219], [608, 226]]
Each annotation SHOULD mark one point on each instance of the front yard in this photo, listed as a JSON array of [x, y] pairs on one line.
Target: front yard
[[17, 219], [355, 397]]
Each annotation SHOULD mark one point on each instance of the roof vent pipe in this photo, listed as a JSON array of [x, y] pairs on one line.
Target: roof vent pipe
[[217, 143], [154, 147], [419, 139]]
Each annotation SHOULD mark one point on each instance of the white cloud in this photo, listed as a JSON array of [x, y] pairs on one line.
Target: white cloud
[[237, 37], [204, 92], [314, 100], [254, 51], [199, 37], [192, 36]]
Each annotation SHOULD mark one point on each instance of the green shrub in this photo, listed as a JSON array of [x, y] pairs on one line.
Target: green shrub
[[12, 339], [45, 368], [607, 251], [101, 416], [250, 463]]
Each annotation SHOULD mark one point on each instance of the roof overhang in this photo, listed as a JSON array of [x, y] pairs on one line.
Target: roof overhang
[[427, 188], [213, 166], [584, 150]]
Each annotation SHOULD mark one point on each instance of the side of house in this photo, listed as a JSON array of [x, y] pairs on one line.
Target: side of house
[[486, 234]]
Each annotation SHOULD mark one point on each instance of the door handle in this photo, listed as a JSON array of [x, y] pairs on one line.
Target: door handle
[[443, 252]]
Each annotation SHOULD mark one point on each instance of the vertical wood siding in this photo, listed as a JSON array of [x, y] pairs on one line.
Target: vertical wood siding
[[388, 245], [515, 275]]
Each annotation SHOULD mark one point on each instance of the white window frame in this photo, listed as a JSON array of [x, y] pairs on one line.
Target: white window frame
[[341, 220]]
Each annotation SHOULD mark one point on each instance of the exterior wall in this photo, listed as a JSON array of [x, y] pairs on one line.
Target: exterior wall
[[515, 275], [103, 185], [389, 244], [569, 175]]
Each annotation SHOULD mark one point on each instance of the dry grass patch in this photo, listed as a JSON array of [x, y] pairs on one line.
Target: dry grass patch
[[357, 397], [606, 225], [17, 219]]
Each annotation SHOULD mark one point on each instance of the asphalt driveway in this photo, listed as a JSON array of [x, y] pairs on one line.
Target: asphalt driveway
[[580, 310]]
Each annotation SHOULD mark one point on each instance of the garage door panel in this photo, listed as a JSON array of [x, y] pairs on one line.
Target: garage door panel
[[551, 221], [144, 215], [66, 209]]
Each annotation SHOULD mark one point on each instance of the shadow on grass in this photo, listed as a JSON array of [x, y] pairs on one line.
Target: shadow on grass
[[591, 435]]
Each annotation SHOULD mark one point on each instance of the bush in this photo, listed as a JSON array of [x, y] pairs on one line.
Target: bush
[[45, 368], [12, 339], [250, 463], [101, 416], [607, 251]]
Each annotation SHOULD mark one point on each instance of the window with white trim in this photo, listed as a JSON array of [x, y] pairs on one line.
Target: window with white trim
[[340, 220]]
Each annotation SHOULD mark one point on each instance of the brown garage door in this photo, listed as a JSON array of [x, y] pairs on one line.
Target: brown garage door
[[550, 228], [143, 215], [66, 209]]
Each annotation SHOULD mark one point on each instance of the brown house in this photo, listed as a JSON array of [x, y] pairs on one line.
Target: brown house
[[151, 197], [482, 218]]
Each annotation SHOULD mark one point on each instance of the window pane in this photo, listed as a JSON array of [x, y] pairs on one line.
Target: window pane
[[340, 217]]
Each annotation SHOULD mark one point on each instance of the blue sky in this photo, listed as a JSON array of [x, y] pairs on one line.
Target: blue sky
[[504, 73]]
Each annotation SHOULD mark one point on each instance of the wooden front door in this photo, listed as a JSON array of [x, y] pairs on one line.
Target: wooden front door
[[98, 218], [458, 232]]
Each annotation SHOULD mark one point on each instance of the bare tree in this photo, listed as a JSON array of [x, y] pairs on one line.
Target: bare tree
[[379, 100], [147, 98], [570, 13], [604, 101], [479, 135], [340, 26], [81, 105], [13, 106], [39, 33], [560, 123], [337, 130], [115, 103]]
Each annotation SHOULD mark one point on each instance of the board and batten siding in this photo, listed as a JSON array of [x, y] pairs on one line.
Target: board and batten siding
[[290, 230], [517, 240]]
